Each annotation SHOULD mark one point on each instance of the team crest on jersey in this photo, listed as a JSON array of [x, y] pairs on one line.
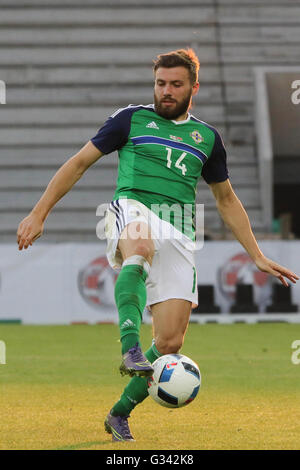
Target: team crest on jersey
[[197, 137], [174, 137]]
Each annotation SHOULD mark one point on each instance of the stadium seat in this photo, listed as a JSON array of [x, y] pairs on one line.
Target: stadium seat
[[281, 300], [244, 300], [206, 300]]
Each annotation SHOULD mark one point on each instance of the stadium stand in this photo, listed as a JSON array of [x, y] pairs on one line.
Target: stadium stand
[[68, 67]]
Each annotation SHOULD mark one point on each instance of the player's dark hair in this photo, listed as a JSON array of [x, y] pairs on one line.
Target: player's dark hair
[[181, 57]]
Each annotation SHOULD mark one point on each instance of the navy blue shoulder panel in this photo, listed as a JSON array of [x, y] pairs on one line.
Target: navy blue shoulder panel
[[113, 135], [215, 168]]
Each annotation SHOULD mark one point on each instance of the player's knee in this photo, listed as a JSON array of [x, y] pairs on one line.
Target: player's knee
[[169, 345], [145, 250]]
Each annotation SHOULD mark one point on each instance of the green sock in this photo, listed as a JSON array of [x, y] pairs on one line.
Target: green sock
[[137, 389], [128, 341], [130, 297]]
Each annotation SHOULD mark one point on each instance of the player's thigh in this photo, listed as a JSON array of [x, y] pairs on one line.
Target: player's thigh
[[170, 320], [136, 239]]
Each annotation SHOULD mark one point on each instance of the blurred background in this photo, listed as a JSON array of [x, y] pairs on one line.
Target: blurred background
[[66, 67]]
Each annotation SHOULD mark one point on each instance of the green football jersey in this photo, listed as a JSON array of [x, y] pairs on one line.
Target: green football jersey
[[161, 161]]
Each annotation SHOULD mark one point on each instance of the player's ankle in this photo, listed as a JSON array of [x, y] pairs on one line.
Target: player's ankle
[[129, 341]]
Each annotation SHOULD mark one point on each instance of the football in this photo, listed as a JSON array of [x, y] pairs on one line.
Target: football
[[175, 382]]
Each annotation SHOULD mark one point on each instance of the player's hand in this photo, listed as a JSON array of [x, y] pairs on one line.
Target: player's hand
[[29, 230], [268, 266]]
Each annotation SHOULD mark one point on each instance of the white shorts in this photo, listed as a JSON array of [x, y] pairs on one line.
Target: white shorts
[[173, 274]]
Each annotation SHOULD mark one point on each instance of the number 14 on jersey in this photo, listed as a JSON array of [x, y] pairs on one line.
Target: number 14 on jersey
[[178, 163]]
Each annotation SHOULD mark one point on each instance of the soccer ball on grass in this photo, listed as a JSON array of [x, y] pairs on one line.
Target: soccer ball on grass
[[175, 382]]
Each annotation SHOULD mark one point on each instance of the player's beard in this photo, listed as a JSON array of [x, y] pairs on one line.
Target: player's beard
[[173, 113]]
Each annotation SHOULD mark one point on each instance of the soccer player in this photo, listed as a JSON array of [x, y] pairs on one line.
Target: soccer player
[[163, 151]]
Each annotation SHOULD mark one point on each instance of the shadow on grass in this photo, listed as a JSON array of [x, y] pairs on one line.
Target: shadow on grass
[[82, 445]]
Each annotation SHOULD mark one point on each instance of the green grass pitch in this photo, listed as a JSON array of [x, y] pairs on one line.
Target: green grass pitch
[[59, 382]]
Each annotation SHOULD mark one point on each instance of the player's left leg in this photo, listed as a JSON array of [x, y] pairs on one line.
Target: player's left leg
[[170, 322]]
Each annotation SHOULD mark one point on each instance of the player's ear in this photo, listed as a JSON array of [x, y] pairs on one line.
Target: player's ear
[[196, 87]]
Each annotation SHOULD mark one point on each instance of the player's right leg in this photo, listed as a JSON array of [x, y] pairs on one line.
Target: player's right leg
[[137, 250], [135, 392], [170, 322]]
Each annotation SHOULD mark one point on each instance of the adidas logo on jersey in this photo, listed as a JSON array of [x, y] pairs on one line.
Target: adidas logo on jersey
[[127, 324], [152, 125]]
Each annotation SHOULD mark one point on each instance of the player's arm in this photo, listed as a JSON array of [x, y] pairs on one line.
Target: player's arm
[[68, 174], [236, 218]]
